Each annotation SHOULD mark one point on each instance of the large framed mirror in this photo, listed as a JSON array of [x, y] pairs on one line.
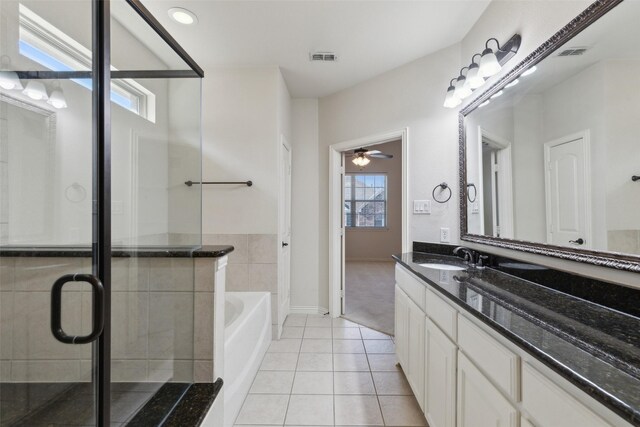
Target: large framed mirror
[[550, 154]]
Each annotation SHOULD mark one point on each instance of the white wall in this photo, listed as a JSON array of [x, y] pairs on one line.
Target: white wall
[[305, 206], [363, 244]]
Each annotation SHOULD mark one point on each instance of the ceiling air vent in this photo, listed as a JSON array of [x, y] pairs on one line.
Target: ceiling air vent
[[573, 51], [323, 56]]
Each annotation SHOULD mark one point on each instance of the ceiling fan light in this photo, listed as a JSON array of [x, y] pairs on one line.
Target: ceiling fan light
[[474, 79], [9, 80], [36, 91], [489, 64]]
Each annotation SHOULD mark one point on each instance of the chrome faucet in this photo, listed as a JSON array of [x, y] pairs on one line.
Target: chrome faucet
[[471, 257]]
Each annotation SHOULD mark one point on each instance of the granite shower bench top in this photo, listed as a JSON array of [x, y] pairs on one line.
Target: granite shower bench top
[[594, 347]]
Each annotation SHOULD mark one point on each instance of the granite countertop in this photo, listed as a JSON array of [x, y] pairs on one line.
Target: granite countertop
[[207, 251], [594, 347]]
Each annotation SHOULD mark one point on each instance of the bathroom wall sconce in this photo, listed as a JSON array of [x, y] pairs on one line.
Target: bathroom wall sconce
[[36, 91], [490, 64], [8, 79], [57, 99]]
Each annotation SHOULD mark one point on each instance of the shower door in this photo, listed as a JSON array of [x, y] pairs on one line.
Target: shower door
[[54, 213]]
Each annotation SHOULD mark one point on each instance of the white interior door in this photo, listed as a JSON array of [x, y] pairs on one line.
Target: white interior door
[[284, 284], [567, 187], [343, 237]]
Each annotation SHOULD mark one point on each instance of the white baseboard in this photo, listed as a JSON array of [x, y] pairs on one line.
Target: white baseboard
[[308, 309]]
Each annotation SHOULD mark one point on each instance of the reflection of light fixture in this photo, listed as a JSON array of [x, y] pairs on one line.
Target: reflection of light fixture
[[497, 94], [484, 103], [183, 16], [512, 84], [8, 79], [57, 99], [474, 79], [36, 90], [490, 64], [529, 71], [361, 160], [451, 100]]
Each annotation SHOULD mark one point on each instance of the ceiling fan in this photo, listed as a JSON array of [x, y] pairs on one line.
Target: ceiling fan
[[362, 156]]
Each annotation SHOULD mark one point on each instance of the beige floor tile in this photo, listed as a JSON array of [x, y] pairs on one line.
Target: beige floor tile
[[340, 322], [292, 332], [313, 383], [296, 320], [347, 333], [357, 410], [285, 346], [279, 362], [380, 346], [317, 333], [401, 411], [316, 346], [310, 410], [353, 383], [391, 383], [350, 362], [272, 382], [263, 409], [319, 322], [370, 334], [348, 346], [315, 362], [383, 362]]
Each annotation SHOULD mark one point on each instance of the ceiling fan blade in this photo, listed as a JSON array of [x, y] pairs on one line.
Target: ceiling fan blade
[[381, 156], [373, 152]]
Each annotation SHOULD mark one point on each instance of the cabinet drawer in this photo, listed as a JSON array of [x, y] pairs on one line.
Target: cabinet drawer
[[411, 286], [498, 363], [550, 406], [442, 314]]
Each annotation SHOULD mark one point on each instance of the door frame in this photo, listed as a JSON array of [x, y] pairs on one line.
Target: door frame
[[282, 314], [336, 226], [505, 204], [585, 135]]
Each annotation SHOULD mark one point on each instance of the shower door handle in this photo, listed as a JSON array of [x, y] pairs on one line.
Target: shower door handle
[[56, 308]]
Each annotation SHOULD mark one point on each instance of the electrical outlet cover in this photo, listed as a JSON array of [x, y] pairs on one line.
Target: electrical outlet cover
[[444, 235]]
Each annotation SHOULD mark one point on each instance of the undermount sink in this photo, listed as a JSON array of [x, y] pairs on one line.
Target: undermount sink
[[443, 267]]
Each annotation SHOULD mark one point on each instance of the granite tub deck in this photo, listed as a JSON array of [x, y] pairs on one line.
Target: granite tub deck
[[594, 347]]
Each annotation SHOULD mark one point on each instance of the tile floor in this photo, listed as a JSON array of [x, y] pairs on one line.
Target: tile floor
[[326, 372]]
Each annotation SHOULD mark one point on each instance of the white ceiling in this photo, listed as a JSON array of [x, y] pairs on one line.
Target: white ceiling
[[370, 37]]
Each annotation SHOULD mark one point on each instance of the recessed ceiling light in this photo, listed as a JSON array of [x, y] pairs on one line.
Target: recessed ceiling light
[[183, 16], [530, 71]]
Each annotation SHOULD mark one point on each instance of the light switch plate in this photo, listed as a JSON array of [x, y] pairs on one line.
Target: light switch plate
[[422, 207], [475, 208]]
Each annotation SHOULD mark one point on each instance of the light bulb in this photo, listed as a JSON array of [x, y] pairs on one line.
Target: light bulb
[[474, 79], [36, 91], [489, 64], [462, 90], [9, 80]]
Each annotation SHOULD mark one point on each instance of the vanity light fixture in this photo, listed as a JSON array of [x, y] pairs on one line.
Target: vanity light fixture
[[183, 16], [474, 79], [57, 99], [490, 64], [451, 100], [36, 91], [529, 71], [8, 79]]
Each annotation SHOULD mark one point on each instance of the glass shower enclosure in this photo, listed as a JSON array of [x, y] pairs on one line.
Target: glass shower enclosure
[[99, 130]]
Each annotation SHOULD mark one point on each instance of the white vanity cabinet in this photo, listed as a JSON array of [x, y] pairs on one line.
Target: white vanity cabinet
[[440, 377]]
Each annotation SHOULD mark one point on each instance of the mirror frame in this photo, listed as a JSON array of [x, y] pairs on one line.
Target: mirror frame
[[606, 259]]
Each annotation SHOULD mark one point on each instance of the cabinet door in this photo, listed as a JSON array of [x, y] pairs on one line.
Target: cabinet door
[[415, 373], [480, 404], [402, 328], [551, 406], [440, 378]]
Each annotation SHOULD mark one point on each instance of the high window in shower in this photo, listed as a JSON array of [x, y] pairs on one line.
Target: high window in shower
[[92, 172]]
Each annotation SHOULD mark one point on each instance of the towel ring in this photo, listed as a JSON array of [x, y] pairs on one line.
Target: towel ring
[[443, 186], [475, 192]]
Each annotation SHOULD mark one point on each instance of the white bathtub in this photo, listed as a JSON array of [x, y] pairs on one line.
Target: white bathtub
[[247, 336]]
